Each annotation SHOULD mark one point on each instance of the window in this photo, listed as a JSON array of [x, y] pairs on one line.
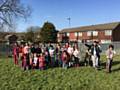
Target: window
[[108, 32], [68, 34], [89, 33], [105, 41], [76, 34], [80, 34], [88, 40], [92, 33], [95, 33], [80, 41]]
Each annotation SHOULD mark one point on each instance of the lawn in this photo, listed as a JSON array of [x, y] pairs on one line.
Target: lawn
[[84, 78]]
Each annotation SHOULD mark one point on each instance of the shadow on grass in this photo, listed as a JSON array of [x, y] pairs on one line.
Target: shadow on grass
[[114, 63], [115, 70]]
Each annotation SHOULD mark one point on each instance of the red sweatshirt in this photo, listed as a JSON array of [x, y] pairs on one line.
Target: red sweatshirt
[[41, 61]]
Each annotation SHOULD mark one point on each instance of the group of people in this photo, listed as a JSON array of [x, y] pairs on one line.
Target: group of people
[[39, 56]]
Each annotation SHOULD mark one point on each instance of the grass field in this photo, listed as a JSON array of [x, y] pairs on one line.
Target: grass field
[[84, 78]]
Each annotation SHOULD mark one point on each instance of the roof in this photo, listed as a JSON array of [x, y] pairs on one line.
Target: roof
[[106, 26]]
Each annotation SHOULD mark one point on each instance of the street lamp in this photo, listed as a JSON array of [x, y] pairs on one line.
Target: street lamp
[[69, 22]]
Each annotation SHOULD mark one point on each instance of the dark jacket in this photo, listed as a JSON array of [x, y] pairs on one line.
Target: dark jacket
[[38, 50], [98, 50], [32, 49]]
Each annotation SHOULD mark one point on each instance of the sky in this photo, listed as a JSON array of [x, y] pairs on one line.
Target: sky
[[81, 12]]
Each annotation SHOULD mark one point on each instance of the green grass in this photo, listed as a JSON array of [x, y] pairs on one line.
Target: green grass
[[84, 78]]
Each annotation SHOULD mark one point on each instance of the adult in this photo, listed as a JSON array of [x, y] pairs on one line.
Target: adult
[[95, 52]]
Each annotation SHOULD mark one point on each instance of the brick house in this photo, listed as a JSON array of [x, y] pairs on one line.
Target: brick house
[[104, 33]]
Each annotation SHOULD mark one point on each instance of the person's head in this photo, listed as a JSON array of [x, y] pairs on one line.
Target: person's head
[[66, 43], [15, 44], [95, 43], [22, 45], [70, 45], [42, 54], [32, 45], [111, 47], [58, 45], [63, 46], [76, 46], [39, 45], [35, 55], [51, 47], [26, 44], [64, 53]]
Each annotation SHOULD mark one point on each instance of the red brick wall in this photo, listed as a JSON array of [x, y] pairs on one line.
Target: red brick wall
[[72, 36], [101, 36]]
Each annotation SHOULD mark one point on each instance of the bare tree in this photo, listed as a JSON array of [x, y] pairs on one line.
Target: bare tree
[[11, 10]]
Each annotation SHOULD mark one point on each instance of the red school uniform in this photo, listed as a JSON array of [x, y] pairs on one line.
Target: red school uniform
[[15, 54], [41, 62], [23, 56]]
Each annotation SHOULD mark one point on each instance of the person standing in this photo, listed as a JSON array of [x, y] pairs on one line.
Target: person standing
[[38, 50], [65, 59], [15, 53], [22, 54], [32, 49], [70, 52], [47, 58], [109, 55], [35, 61], [52, 57], [76, 56], [95, 52], [58, 55], [87, 58], [26, 56]]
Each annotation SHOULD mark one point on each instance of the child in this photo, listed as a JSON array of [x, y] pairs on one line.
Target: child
[[31, 62], [42, 62], [70, 52], [26, 55], [47, 58], [15, 53], [52, 57], [109, 54], [76, 56], [35, 59], [65, 59], [22, 54]]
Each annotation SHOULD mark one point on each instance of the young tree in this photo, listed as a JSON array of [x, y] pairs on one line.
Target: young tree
[[32, 33], [48, 33], [29, 35], [12, 39]]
